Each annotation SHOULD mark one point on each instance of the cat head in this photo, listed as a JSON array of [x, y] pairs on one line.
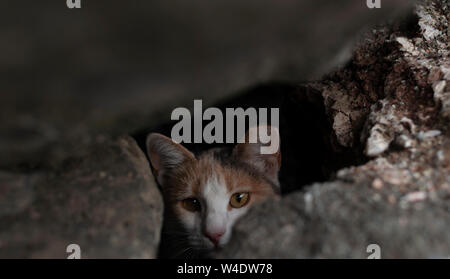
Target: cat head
[[206, 194]]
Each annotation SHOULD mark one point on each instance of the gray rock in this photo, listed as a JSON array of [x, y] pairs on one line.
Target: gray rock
[[340, 220], [399, 201], [106, 202], [117, 67]]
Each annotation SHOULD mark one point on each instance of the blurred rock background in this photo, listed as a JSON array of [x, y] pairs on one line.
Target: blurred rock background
[[75, 83], [113, 67]]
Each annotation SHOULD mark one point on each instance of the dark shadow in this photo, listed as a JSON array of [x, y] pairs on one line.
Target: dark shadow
[[308, 152]]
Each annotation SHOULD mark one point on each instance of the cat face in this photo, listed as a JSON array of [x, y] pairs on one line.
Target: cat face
[[207, 194]]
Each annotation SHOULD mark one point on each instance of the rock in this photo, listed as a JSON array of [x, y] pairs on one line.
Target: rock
[[17, 192], [404, 141], [340, 220], [407, 46], [378, 141], [395, 81], [429, 23], [433, 52], [415, 196], [117, 68], [377, 183], [106, 202], [428, 134], [395, 84], [343, 128]]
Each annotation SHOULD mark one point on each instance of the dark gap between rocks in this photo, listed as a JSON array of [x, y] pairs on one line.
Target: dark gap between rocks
[[309, 149]]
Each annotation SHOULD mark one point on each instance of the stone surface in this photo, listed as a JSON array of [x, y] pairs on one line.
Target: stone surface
[[106, 202], [391, 101], [400, 202], [396, 80], [117, 67], [340, 220]]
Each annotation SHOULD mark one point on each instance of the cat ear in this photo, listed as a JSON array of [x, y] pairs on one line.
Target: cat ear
[[165, 155], [263, 152]]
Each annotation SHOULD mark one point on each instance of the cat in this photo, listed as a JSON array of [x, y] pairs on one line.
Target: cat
[[205, 195]]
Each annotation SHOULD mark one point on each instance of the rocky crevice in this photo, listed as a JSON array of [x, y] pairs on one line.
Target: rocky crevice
[[376, 129]]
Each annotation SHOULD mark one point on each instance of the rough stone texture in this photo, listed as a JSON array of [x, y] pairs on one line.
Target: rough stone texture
[[339, 220], [400, 202], [117, 67], [106, 202], [392, 98], [386, 87]]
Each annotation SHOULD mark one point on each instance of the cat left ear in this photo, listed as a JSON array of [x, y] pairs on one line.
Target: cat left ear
[[166, 155], [263, 152]]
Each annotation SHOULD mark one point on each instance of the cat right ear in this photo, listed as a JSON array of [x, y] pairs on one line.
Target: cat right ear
[[267, 161], [165, 155]]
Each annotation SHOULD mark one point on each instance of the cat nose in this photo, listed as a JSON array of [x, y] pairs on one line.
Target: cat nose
[[214, 236]]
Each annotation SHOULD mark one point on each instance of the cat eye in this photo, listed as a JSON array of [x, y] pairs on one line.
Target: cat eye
[[191, 204], [238, 200]]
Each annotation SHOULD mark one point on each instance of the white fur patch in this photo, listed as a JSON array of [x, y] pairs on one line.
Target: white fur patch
[[216, 216]]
